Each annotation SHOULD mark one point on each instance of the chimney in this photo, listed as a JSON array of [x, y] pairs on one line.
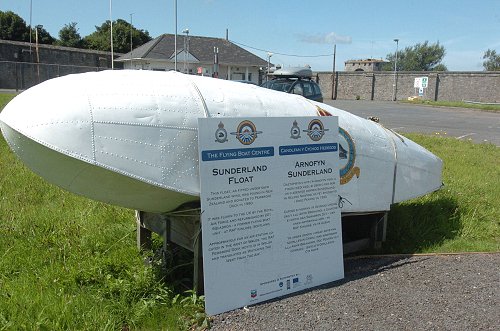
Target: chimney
[[227, 34]]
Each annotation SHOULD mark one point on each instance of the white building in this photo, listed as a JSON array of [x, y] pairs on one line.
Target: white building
[[196, 55], [364, 65]]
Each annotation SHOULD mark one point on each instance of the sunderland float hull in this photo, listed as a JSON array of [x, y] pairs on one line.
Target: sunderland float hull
[[129, 138]]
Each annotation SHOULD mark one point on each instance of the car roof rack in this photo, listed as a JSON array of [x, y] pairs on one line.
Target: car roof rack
[[300, 72]]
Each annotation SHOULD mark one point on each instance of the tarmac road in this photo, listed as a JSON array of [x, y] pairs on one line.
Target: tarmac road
[[461, 123], [435, 292]]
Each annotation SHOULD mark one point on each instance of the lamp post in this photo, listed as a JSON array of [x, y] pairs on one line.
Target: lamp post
[[216, 62], [131, 43], [186, 50], [111, 33], [269, 54], [175, 37], [31, 15], [395, 85]]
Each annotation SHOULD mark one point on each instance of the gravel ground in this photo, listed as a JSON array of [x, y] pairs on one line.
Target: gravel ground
[[438, 292]]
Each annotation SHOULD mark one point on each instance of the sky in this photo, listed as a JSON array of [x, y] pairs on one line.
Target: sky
[[297, 33]]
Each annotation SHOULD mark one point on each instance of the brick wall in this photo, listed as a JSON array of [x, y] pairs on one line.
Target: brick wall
[[450, 86]]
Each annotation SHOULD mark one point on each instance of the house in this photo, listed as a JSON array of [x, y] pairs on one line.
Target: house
[[364, 65], [196, 55]]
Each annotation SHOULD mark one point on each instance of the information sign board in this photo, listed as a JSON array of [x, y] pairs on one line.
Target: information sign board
[[421, 82], [418, 82], [270, 215], [425, 82]]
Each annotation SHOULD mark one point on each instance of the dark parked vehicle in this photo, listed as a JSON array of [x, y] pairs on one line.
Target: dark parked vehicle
[[245, 82], [295, 81]]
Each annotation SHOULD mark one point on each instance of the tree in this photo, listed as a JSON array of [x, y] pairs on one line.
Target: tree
[[69, 36], [420, 57], [13, 27], [440, 67], [492, 62], [44, 36], [100, 39]]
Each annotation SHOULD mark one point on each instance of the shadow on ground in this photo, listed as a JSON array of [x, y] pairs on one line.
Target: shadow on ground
[[417, 225], [412, 227]]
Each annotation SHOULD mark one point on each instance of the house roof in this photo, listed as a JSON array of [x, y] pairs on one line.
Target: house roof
[[202, 48]]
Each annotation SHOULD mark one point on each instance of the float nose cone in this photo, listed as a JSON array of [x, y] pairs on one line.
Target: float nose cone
[[418, 171], [104, 136], [42, 114]]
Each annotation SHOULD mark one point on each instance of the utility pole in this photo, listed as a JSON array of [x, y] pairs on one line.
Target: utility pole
[[333, 71], [37, 27]]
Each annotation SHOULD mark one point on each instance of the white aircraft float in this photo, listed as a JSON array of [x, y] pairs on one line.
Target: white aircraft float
[[129, 138]]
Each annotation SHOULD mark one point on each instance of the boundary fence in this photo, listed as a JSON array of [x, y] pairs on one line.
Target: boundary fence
[[23, 75]]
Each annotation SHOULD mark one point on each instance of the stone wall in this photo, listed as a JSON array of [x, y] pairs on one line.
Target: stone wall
[[23, 65], [447, 86]]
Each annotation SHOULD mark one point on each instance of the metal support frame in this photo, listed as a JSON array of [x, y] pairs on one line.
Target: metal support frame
[[182, 229], [373, 236], [185, 229]]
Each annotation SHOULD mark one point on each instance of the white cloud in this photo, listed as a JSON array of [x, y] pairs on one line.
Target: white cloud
[[325, 38]]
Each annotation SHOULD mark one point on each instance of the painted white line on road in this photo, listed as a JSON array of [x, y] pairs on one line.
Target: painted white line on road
[[401, 127], [466, 135]]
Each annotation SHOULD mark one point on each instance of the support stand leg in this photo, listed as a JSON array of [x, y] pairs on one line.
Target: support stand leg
[[198, 282], [143, 234]]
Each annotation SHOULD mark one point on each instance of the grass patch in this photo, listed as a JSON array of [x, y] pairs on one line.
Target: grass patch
[[70, 263], [464, 215], [458, 104], [5, 98], [67, 262]]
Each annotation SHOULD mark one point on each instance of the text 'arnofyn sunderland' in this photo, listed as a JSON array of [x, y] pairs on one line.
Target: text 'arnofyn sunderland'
[[320, 169]]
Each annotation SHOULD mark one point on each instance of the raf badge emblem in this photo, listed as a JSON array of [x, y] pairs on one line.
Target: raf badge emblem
[[246, 132], [221, 134], [347, 153], [295, 131], [315, 130]]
